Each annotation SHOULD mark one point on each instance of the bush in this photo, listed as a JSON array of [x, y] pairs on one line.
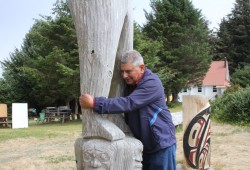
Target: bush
[[233, 107], [232, 88], [241, 76]]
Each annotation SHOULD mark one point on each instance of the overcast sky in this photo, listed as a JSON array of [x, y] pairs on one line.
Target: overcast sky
[[17, 17]]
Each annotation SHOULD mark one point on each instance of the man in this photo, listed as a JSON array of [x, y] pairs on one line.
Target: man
[[145, 110]]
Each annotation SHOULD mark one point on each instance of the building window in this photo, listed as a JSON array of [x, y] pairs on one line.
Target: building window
[[185, 90], [214, 89], [199, 89]]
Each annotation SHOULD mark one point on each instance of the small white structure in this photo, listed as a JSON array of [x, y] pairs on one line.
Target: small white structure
[[214, 84], [19, 115]]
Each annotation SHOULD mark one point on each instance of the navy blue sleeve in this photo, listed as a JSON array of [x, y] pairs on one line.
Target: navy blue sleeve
[[146, 92]]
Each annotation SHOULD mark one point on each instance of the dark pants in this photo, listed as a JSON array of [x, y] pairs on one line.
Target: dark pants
[[164, 159]]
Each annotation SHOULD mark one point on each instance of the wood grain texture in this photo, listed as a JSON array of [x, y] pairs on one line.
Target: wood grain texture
[[123, 154], [197, 132], [104, 31]]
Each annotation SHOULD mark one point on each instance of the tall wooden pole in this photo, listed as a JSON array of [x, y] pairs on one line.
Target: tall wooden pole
[[196, 126], [104, 31]]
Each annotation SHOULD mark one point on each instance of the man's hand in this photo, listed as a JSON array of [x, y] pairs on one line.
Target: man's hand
[[86, 101]]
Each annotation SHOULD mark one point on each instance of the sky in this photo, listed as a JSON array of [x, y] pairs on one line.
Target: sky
[[17, 17]]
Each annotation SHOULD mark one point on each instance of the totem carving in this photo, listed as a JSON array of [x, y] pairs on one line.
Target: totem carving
[[197, 138], [117, 155], [104, 31]]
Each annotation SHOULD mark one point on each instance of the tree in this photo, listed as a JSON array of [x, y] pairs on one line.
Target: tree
[[147, 47], [182, 35], [234, 36], [46, 69], [241, 76], [18, 85], [5, 88]]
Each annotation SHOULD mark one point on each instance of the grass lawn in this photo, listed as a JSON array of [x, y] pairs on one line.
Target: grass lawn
[[42, 130], [53, 129], [51, 146], [175, 107]]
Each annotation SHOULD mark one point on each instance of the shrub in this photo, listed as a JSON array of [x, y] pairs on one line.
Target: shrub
[[232, 88], [241, 76], [233, 107]]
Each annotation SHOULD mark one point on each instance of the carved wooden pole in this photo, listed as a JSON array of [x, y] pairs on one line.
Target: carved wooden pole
[[196, 126], [104, 30]]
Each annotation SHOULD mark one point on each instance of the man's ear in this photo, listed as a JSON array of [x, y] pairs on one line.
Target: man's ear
[[142, 67]]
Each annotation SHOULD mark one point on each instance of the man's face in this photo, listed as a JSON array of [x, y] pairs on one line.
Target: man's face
[[130, 73]]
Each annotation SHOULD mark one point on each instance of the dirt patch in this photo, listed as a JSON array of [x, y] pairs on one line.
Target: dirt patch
[[32, 154], [230, 150]]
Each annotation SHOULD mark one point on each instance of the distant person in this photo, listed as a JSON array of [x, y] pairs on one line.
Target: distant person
[[146, 112]]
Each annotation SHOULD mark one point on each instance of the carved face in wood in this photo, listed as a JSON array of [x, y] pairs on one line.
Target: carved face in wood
[[132, 74], [105, 155], [133, 154], [97, 155]]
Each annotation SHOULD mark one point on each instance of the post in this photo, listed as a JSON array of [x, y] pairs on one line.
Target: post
[[197, 131], [104, 31]]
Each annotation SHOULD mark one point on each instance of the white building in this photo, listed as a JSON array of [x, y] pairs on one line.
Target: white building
[[214, 84]]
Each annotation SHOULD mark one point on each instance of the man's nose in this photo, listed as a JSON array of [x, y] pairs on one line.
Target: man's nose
[[124, 75]]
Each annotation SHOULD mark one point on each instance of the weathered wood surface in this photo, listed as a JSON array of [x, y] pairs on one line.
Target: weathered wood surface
[[191, 106], [3, 116], [123, 154], [197, 132], [104, 31], [3, 110]]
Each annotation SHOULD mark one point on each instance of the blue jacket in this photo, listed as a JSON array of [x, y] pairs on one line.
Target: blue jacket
[[146, 113]]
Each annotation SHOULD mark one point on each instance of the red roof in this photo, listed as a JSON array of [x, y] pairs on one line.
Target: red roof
[[217, 74]]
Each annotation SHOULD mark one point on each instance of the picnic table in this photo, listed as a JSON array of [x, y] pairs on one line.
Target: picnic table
[[4, 122], [62, 112]]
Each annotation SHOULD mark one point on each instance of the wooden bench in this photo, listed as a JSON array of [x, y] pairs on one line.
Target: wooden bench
[[4, 122]]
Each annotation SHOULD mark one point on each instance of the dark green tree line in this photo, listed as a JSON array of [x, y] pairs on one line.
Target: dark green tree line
[[182, 50], [45, 72], [233, 37], [232, 42], [241, 77]]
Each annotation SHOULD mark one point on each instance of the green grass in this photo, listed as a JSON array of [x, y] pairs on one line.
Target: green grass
[[179, 128], [42, 130], [175, 107], [53, 129]]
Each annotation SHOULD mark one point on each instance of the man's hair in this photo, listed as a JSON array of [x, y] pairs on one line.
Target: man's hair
[[133, 57]]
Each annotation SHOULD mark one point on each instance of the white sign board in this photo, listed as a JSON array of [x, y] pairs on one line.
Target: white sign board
[[19, 115]]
